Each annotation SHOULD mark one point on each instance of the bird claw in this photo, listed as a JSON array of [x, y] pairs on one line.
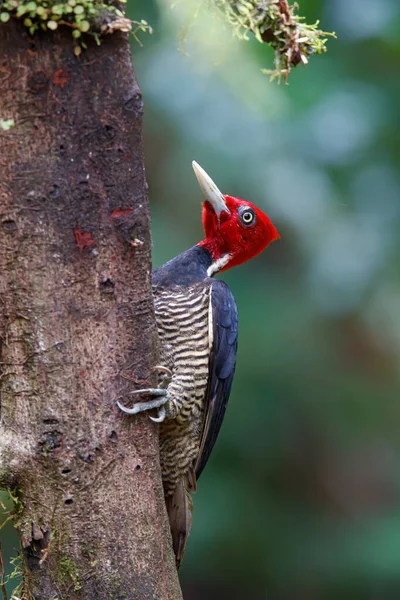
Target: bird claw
[[150, 392], [161, 415], [162, 369], [142, 406], [164, 375]]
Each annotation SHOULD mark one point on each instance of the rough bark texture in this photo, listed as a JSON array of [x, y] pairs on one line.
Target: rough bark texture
[[77, 328]]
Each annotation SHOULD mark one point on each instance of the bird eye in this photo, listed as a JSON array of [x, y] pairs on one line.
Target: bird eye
[[247, 216]]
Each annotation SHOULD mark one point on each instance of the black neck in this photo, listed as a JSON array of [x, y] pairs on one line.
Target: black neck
[[185, 269]]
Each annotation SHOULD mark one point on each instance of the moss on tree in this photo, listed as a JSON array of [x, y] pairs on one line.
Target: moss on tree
[[276, 23], [91, 17]]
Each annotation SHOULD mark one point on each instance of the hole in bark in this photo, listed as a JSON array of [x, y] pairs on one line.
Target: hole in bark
[[9, 225], [113, 436], [138, 468], [38, 81], [68, 501], [61, 146], [54, 192], [108, 128], [107, 286], [66, 471], [50, 421]]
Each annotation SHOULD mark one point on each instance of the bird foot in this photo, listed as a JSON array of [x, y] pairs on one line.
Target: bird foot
[[161, 397], [158, 402]]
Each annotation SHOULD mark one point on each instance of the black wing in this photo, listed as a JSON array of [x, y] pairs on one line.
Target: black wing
[[221, 367]]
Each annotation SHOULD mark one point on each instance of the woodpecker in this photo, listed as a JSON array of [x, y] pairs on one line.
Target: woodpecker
[[197, 324]]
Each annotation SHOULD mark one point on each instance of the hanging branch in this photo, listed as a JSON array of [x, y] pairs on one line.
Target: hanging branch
[[276, 23], [273, 22]]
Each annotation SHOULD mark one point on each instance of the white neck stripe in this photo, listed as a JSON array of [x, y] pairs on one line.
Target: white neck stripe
[[218, 265]]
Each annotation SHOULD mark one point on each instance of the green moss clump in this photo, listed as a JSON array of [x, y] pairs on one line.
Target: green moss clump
[[69, 573], [274, 22], [92, 17]]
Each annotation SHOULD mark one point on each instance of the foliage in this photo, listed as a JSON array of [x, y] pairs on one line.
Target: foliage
[[10, 504], [14, 579], [274, 22]]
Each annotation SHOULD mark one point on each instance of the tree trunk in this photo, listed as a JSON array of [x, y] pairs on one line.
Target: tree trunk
[[77, 328]]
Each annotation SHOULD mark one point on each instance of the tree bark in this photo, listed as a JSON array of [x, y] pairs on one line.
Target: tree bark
[[77, 328]]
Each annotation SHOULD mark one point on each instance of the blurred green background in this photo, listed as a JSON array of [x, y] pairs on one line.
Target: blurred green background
[[301, 497]]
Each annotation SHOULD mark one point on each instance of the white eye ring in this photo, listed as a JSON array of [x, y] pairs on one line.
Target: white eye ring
[[247, 217]]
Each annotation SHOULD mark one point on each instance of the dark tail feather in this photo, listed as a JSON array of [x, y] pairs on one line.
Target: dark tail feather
[[179, 507]]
